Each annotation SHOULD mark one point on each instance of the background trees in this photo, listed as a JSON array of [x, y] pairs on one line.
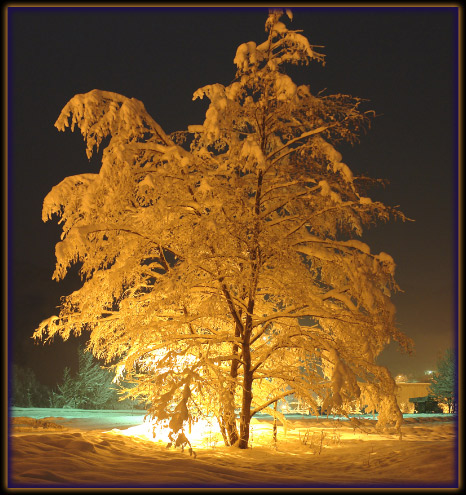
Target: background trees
[[221, 270], [444, 384], [25, 389], [89, 387]]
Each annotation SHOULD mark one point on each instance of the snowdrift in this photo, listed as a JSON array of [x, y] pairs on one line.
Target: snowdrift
[[73, 448]]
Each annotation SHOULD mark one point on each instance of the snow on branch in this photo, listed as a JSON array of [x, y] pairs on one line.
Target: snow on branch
[[60, 195], [102, 113]]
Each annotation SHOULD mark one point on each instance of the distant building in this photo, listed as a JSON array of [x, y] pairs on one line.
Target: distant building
[[426, 405], [407, 391], [412, 397]]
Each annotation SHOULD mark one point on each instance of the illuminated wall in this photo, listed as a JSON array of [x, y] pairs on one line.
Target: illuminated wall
[[406, 391]]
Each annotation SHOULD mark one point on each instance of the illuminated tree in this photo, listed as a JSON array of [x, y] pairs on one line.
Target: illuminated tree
[[220, 266], [443, 386]]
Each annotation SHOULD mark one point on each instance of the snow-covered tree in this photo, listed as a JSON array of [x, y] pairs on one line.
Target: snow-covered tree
[[65, 395], [221, 266], [444, 385], [91, 387]]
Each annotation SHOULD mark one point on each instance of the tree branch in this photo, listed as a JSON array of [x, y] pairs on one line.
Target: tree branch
[[271, 401], [302, 136]]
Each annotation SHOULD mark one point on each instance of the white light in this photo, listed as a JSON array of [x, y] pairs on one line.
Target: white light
[[203, 433]]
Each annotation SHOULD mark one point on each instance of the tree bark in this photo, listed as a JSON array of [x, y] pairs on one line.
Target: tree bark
[[232, 430], [221, 424], [230, 417], [227, 416], [245, 419], [247, 396], [227, 419]]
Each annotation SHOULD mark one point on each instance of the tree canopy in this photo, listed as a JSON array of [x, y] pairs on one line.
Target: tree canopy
[[221, 265], [444, 384]]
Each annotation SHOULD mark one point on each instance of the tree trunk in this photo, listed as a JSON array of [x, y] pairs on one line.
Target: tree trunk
[[221, 424], [245, 412], [247, 397], [232, 430], [227, 419], [230, 416], [245, 419]]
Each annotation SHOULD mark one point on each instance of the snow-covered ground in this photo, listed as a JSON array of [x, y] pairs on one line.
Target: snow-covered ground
[[76, 448]]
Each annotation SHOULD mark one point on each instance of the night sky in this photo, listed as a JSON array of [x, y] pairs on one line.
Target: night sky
[[404, 60]]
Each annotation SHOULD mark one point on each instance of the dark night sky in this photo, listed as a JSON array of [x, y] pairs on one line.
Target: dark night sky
[[404, 60]]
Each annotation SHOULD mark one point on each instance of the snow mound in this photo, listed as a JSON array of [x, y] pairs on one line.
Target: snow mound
[[22, 422], [312, 452]]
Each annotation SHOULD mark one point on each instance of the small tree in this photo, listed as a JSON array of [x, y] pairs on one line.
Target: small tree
[[66, 394], [225, 274], [95, 388], [90, 387], [443, 386]]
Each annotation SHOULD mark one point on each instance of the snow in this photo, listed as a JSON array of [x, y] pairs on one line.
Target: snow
[[285, 87], [252, 151], [247, 54], [76, 448]]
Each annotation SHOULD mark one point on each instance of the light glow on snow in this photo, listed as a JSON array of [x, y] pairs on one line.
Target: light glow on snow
[[201, 434], [86, 450]]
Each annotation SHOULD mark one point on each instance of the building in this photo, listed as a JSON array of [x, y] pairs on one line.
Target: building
[[426, 405], [406, 391]]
